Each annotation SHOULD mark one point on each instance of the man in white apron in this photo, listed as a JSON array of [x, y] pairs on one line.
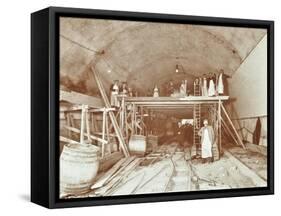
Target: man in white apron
[[114, 93], [207, 140]]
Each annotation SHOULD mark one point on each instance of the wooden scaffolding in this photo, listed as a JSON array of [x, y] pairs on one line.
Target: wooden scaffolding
[[133, 108], [129, 119]]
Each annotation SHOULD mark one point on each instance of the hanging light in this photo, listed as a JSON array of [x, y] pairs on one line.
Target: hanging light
[[177, 68]]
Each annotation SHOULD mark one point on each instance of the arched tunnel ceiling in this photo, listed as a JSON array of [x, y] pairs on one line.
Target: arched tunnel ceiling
[[145, 53]]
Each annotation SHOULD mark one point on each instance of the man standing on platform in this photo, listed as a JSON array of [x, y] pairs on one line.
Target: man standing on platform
[[207, 139]]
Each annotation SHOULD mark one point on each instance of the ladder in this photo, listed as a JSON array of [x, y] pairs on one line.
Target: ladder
[[196, 121]]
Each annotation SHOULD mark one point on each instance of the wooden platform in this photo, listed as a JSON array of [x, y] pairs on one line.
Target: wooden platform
[[174, 101]]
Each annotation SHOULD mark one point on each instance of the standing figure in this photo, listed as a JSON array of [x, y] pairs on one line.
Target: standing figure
[[207, 139], [204, 88], [114, 93], [186, 90], [183, 88], [130, 92], [124, 89], [212, 89], [220, 88], [136, 93], [156, 92], [201, 85], [171, 88]]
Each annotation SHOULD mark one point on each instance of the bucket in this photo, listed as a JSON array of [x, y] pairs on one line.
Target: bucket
[[137, 144], [152, 143], [79, 165]]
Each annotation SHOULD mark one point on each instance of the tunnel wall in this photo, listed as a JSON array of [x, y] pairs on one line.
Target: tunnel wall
[[248, 91]]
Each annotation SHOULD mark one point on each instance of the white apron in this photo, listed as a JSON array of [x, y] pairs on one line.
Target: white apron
[[211, 90], [205, 88], [220, 85], [206, 145], [183, 89], [114, 93]]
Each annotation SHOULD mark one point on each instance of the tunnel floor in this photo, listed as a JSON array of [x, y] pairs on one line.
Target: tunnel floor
[[171, 169]]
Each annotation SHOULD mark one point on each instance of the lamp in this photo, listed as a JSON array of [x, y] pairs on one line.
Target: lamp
[[177, 68]]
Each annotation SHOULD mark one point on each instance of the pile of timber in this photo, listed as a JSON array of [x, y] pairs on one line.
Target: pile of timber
[[164, 170], [111, 178]]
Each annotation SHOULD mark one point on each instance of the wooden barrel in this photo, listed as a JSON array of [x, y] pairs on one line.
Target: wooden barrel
[[79, 165], [137, 144], [152, 143]]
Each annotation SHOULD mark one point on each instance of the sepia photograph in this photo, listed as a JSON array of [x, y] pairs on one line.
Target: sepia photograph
[[152, 107]]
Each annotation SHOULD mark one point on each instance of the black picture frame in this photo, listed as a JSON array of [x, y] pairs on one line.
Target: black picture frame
[[45, 106]]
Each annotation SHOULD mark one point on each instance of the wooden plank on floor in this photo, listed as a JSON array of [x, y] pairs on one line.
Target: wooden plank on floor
[[109, 160], [123, 166], [108, 174], [129, 185], [158, 179], [257, 180], [103, 191]]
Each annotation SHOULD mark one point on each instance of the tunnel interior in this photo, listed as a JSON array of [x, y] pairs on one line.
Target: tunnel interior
[[151, 121]]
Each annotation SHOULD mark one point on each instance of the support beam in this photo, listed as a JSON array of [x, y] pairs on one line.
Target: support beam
[[82, 124], [76, 130], [78, 98], [67, 140], [234, 129], [103, 132], [225, 126], [229, 131], [87, 125], [219, 126]]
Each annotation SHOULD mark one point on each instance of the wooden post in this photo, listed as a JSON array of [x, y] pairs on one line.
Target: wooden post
[[225, 126], [87, 125], [126, 124], [103, 132], [133, 118], [92, 123], [141, 120], [219, 126], [107, 133], [122, 114], [68, 123], [82, 124], [111, 125], [236, 133], [72, 123]]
